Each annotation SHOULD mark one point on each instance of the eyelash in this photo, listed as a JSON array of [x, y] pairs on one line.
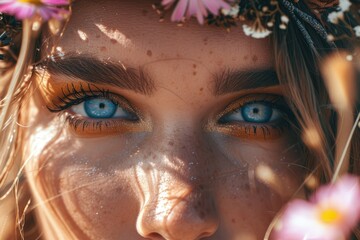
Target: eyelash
[[72, 96], [251, 130]]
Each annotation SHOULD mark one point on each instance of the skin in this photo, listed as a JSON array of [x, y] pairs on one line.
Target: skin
[[177, 174]]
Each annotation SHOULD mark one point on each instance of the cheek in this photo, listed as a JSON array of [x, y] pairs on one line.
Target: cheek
[[255, 182], [83, 180], [88, 186]]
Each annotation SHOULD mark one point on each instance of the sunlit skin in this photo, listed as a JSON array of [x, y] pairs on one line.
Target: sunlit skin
[[176, 173]]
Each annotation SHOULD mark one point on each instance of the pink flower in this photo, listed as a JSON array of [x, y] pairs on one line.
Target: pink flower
[[198, 8], [332, 212], [22, 9]]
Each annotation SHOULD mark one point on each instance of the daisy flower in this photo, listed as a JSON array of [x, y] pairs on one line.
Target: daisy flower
[[332, 212], [198, 8], [23, 9]]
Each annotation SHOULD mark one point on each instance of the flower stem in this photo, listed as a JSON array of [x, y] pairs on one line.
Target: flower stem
[[344, 152]]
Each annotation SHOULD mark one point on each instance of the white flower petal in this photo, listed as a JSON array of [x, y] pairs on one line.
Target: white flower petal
[[255, 33], [344, 5], [357, 31]]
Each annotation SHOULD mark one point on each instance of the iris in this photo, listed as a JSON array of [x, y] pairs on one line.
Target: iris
[[257, 112], [100, 108]]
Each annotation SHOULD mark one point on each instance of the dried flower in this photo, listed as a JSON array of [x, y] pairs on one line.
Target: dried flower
[[256, 31], [23, 9], [321, 5], [198, 8], [284, 19], [233, 11], [282, 26], [344, 6], [357, 30], [330, 214]]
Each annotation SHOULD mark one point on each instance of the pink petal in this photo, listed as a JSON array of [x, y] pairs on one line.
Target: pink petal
[[343, 196], [167, 3], [19, 10], [196, 7], [299, 222], [56, 2], [179, 10], [51, 12], [46, 13]]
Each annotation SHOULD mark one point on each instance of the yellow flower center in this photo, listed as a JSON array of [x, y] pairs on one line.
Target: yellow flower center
[[330, 216], [35, 2]]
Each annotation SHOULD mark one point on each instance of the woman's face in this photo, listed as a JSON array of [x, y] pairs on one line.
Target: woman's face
[[144, 129]]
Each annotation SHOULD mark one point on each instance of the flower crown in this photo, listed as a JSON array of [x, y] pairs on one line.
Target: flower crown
[[331, 19]]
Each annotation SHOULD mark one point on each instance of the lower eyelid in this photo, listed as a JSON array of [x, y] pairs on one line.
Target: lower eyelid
[[253, 131], [81, 125]]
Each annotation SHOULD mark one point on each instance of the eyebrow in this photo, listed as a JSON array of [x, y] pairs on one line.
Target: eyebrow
[[96, 71], [230, 80]]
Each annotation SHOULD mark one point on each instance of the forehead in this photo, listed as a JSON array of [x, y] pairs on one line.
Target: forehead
[[130, 32]]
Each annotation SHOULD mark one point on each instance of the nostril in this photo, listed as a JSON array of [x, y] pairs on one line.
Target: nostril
[[205, 234], [155, 236]]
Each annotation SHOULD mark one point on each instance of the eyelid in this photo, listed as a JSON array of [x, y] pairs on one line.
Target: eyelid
[[73, 95], [250, 130], [277, 100]]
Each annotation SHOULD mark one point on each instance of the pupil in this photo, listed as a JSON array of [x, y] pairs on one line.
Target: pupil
[[102, 105], [255, 110]]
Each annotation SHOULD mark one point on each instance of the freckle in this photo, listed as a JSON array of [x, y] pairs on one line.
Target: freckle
[[171, 143], [211, 52], [144, 12], [194, 73], [194, 65], [201, 89], [255, 58], [103, 49], [118, 190], [97, 35], [246, 57], [149, 53], [113, 41], [233, 220]]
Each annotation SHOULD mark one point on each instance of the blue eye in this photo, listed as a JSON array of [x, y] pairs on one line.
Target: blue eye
[[257, 112], [102, 108]]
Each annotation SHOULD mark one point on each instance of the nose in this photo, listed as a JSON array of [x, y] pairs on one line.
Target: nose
[[185, 213], [180, 204]]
